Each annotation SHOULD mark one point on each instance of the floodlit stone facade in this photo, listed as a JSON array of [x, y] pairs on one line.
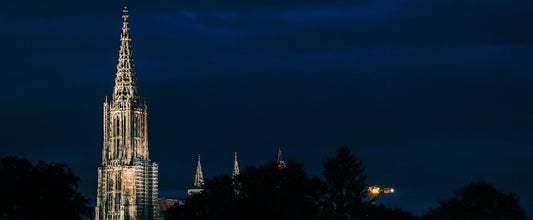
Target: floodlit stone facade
[[127, 178]]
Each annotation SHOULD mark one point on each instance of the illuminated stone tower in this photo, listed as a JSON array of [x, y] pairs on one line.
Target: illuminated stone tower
[[127, 178]]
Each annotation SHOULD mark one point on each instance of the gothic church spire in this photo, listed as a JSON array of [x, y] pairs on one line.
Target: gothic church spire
[[281, 162], [199, 177], [125, 82], [235, 167], [127, 178]]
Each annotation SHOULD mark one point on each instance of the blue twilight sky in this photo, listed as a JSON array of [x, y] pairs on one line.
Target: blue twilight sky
[[430, 94]]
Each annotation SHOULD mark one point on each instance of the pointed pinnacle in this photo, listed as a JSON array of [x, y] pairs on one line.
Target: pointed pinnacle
[[235, 167], [125, 15]]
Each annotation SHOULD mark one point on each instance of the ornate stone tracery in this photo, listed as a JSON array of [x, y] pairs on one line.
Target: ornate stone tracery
[[127, 178]]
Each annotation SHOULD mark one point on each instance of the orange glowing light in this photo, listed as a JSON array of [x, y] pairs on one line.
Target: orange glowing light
[[374, 189]]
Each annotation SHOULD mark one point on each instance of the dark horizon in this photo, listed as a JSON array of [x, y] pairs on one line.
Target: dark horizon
[[430, 95]]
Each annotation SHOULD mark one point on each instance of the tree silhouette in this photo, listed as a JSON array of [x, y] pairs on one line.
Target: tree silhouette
[[264, 192], [218, 200], [43, 191], [345, 184], [380, 212], [273, 192], [478, 201]]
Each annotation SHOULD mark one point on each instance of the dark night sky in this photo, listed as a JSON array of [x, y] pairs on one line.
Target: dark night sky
[[430, 94]]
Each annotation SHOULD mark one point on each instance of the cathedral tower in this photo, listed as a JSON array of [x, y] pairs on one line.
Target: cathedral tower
[[127, 178]]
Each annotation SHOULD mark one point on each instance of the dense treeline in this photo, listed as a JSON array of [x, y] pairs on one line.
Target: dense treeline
[[478, 201], [271, 192], [49, 191], [40, 191]]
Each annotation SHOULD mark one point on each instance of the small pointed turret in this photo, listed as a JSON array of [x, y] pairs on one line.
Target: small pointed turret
[[199, 177], [281, 163], [125, 81], [235, 167]]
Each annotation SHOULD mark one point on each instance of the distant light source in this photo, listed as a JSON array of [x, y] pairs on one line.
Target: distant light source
[[388, 190], [374, 190]]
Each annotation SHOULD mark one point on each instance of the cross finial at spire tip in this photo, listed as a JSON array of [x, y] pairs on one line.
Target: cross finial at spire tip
[[125, 13]]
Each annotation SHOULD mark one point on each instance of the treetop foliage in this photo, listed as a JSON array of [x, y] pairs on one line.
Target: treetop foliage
[[40, 191], [479, 200], [273, 192]]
